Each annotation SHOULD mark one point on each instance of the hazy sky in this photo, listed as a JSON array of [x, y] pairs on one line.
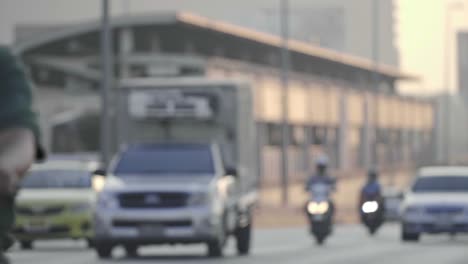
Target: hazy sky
[[419, 28], [421, 38]]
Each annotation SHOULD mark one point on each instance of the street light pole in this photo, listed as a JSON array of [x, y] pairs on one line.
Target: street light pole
[[376, 80], [453, 6], [285, 61], [106, 79]]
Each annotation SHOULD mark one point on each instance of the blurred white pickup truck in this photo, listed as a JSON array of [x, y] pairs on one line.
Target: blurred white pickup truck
[[187, 170]]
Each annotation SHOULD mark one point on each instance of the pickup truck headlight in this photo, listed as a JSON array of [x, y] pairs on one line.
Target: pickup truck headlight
[[198, 198], [107, 201], [80, 208]]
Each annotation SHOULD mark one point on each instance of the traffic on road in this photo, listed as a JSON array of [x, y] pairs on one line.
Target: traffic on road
[[260, 131], [349, 244]]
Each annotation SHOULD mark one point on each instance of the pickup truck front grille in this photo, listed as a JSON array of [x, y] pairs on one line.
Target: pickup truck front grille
[[151, 200]]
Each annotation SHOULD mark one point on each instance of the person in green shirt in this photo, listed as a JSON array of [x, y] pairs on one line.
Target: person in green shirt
[[19, 139]]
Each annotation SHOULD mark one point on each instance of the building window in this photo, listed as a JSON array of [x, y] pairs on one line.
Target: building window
[[297, 135], [73, 46], [138, 71], [272, 59], [42, 75], [190, 48], [155, 44], [383, 136], [274, 134], [332, 135], [318, 136]]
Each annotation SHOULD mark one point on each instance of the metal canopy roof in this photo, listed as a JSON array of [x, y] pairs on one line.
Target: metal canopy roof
[[217, 26]]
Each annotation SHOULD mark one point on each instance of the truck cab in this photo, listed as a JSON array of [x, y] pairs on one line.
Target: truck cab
[[186, 169]]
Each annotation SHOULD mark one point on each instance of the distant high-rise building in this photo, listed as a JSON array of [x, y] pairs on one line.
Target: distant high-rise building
[[463, 64]]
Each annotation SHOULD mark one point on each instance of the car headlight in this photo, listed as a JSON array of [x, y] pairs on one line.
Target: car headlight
[[198, 198], [107, 201], [80, 208], [315, 208], [98, 183]]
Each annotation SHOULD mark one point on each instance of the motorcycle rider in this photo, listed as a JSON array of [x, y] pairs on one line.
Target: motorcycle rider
[[321, 176], [19, 140], [372, 190]]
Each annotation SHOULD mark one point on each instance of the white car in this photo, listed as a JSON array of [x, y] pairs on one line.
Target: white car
[[437, 203], [393, 199]]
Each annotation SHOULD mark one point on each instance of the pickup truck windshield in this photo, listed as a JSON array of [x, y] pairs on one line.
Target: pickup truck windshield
[[441, 184], [166, 160]]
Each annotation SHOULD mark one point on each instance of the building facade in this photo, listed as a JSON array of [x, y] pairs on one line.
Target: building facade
[[341, 25], [333, 104]]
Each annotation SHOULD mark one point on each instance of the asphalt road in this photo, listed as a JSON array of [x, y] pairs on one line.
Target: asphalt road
[[349, 244]]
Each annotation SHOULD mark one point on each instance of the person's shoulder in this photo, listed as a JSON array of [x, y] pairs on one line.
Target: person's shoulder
[[5, 49], [8, 61], [6, 54]]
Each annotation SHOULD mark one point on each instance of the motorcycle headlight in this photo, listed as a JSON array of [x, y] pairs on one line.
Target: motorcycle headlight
[[318, 207], [107, 201], [80, 208], [370, 207], [198, 198]]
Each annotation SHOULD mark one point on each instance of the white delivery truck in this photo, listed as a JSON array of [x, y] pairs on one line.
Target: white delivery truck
[[187, 167]]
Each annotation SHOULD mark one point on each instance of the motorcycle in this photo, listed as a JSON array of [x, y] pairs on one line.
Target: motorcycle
[[372, 214], [319, 211]]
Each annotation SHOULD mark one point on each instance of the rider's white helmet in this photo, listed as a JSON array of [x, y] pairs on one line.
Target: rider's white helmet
[[322, 160]]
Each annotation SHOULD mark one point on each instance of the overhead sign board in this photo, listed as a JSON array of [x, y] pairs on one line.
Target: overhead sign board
[[166, 104]]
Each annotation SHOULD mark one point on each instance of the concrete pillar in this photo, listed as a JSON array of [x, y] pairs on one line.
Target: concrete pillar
[[46, 130], [126, 49], [343, 148], [261, 143], [306, 150], [126, 40], [366, 139]]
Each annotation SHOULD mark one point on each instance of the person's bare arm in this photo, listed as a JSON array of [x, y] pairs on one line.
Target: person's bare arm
[[17, 146]]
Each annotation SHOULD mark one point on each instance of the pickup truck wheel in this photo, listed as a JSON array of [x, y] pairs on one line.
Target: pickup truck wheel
[[409, 237], [26, 244], [243, 237], [103, 251], [215, 250], [216, 247], [131, 251], [90, 243]]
